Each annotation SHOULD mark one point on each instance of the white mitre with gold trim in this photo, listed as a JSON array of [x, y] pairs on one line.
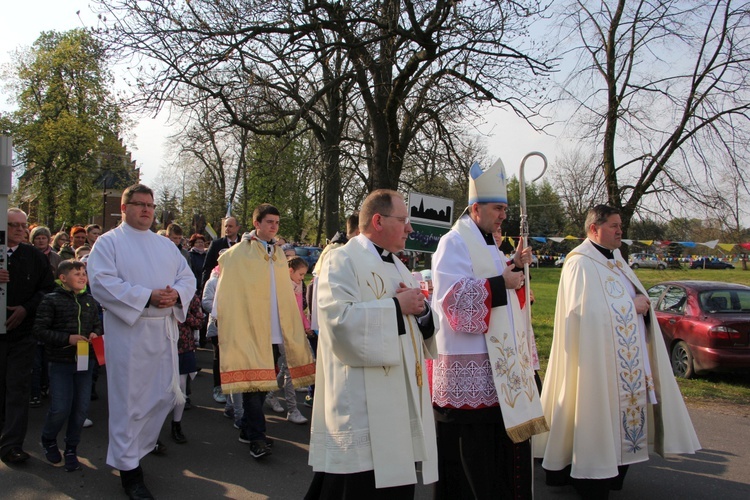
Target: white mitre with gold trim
[[488, 186]]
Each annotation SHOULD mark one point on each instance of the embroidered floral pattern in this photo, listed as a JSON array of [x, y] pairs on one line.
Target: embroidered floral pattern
[[631, 375], [513, 366], [466, 306], [463, 381]]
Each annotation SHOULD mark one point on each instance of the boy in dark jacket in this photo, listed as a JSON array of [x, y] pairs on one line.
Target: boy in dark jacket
[[66, 317]]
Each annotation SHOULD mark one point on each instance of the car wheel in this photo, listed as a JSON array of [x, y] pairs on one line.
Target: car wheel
[[682, 360], [635, 266], [661, 267]]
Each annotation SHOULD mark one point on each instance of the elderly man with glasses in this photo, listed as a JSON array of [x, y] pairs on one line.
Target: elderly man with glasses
[[29, 277]]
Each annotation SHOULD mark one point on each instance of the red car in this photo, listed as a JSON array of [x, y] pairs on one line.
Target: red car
[[705, 324]]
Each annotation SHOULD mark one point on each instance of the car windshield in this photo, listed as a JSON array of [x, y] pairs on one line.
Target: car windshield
[[725, 301]]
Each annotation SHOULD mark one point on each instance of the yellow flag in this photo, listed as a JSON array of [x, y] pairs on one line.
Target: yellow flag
[[82, 349]]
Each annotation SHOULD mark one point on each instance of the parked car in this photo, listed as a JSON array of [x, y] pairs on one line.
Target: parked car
[[714, 263], [705, 324], [646, 261], [310, 254]]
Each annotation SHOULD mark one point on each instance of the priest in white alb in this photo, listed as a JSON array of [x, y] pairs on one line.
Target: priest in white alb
[[145, 287], [609, 394], [372, 423], [484, 393]]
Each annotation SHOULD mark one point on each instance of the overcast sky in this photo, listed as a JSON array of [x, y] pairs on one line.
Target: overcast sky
[[21, 22]]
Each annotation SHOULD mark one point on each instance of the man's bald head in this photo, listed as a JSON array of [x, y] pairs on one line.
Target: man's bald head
[[231, 228]]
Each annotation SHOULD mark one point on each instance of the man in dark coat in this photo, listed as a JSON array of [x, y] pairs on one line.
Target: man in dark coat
[[231, 230], [28, 277]]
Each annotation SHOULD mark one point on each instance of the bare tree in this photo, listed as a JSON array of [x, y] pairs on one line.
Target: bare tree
[[580, 185], [219, 147], [661, 88], [405, 61], [729, 203]]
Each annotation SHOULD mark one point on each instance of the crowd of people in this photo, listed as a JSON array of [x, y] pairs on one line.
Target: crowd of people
[[407, 382]]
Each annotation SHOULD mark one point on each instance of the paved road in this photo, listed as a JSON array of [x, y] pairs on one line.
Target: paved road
[[213, 464]]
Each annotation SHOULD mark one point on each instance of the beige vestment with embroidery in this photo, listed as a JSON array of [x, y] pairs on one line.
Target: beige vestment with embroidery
[[595, 394]]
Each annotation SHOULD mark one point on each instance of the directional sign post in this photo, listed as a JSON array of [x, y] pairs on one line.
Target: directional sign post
[[431, 217]]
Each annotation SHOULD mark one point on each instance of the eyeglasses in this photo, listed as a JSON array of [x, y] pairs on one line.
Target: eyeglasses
[[141, 205], [16, 225], [403, 220]]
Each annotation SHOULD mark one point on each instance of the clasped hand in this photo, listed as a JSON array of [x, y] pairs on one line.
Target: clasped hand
[[513, 279], [164, 297], [411, 300]]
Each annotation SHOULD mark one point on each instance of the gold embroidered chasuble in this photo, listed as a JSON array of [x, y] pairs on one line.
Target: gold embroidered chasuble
[[243, 306], [596, 389]]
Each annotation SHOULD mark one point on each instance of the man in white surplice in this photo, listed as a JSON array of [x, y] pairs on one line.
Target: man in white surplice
[[372, 420], [145, 287]]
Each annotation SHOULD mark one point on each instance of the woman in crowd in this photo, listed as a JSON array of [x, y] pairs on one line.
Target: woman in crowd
[[77, 239], [59, 241], [197, 257], [40, 238]]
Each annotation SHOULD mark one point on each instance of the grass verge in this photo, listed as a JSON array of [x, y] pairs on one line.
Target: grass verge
[[725, 388]]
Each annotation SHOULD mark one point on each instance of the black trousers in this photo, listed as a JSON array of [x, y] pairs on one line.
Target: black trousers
[[217, 375], [357, 486], [16, 359], [588, 489], [477, 459]]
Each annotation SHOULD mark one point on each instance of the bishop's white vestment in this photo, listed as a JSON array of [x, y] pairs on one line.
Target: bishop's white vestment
[[372, 405], [484, 392], [609, 393], [125, 265]]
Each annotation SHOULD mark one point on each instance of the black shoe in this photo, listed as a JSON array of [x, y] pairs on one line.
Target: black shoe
[[15, 455], [71, 461], [138, 491], [177, 435], [188, 404], [244, 438], [159, 449], [51, 451], [35, 402], [259, 449]]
